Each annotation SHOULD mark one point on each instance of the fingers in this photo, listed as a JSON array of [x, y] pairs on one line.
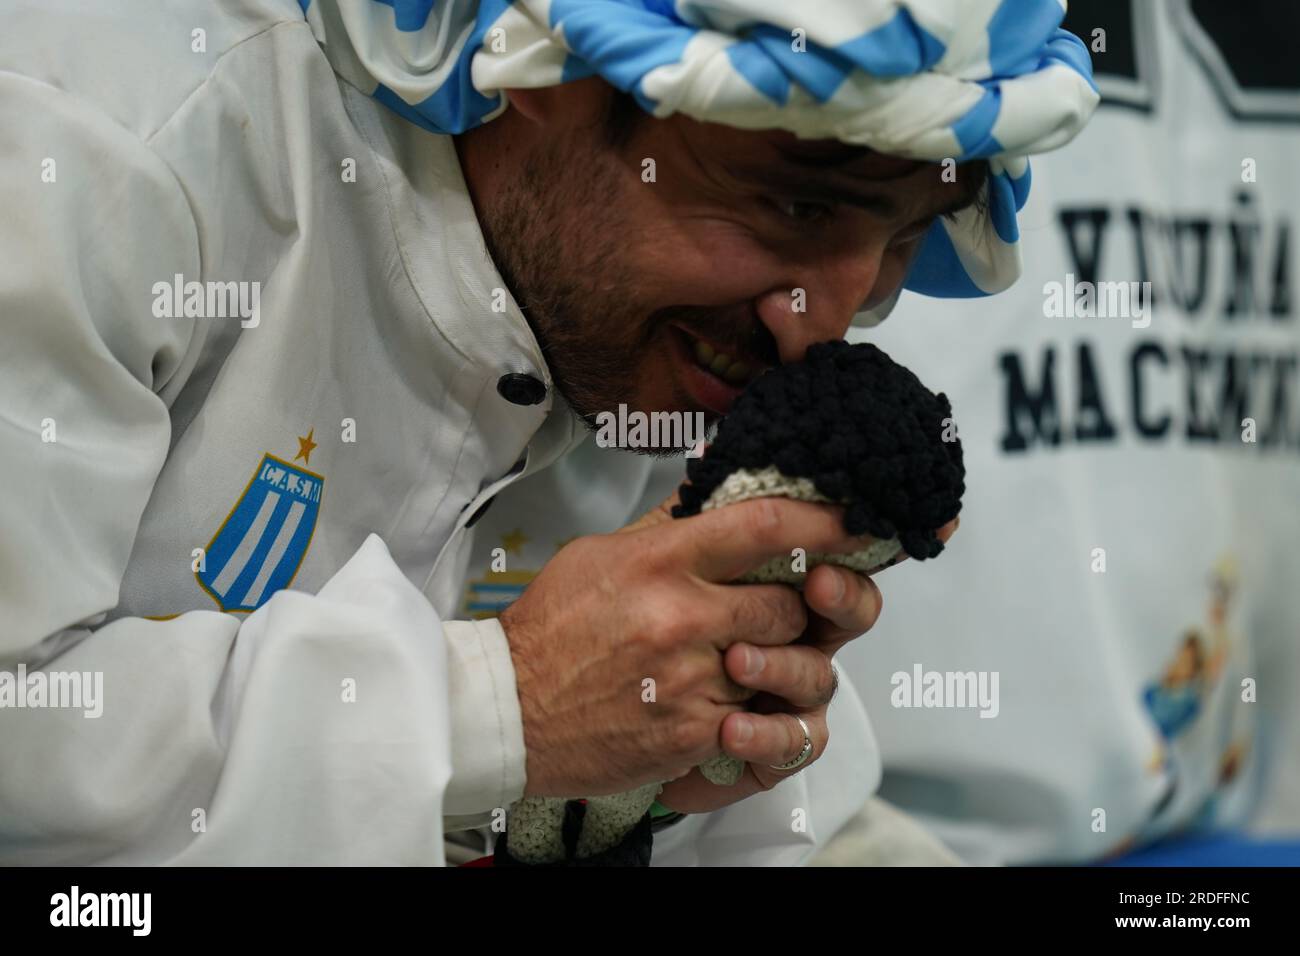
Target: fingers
[[845, 605], [772, 739], [836, 606], [722, 544], [802, 676], [727, 692], [943, 534], [694, 794], [766, 614]]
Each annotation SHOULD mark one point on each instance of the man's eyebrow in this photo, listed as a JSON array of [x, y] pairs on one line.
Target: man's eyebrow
[[794, 184], [822, 156]]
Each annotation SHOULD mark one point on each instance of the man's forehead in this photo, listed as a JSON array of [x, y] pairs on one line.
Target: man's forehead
[[832, 155], [832, 170], [784, 150], [788, 152]]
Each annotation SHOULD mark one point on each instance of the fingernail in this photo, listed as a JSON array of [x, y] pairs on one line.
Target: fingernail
[[744, 730], [839, 588], [754, 661]]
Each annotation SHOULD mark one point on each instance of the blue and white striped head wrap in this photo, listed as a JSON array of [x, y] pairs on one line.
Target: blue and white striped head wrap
[[921, 79]]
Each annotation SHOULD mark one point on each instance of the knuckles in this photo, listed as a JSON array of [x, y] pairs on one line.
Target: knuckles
[[825, 682], [792, 613], [761, 519], [776, 611], [682, 675], [666, 620], [689, 739]]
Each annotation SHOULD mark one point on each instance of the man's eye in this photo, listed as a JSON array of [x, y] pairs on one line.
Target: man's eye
[[803, 211]]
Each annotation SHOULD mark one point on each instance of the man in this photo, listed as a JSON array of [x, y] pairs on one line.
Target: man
[[274, 342]]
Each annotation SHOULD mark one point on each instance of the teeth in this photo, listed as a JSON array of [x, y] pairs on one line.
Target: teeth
[[737, 373], [721, 364]]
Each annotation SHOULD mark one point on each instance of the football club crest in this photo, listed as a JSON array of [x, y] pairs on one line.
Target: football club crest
[[258, 548]]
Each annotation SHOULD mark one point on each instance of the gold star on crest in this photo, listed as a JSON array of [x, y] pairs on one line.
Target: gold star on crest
[[305, 447], [514, 541]]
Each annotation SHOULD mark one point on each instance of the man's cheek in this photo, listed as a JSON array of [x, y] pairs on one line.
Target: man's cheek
[[711, 259]]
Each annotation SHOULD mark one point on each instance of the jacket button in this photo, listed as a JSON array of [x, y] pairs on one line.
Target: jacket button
[[520, 389]]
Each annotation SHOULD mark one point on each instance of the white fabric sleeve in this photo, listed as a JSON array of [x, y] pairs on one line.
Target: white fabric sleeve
[[487, 730], [319, 729]]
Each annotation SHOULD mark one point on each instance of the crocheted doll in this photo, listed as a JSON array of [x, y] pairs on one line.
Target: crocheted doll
[[846, 426]]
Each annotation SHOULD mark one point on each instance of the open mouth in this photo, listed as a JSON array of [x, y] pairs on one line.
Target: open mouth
[[730, 369], [713, 377]]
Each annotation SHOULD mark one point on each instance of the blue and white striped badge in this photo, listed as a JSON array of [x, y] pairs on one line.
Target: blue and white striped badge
[[258, 548]]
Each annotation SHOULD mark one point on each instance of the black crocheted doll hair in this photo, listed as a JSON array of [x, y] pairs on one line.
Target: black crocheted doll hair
[[861, 427]]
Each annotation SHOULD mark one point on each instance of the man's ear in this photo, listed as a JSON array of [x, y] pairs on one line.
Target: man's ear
[[569, 104]]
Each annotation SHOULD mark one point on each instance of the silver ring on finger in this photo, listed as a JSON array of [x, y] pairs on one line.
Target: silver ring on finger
[[805, 752]]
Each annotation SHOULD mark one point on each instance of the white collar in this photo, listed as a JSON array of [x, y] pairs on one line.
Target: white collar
[[447, 262]]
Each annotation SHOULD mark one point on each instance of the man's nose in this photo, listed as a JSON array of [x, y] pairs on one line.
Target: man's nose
[[818, 303]]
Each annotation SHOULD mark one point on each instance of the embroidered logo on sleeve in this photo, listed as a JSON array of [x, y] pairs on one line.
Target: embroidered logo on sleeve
[[259, 547]]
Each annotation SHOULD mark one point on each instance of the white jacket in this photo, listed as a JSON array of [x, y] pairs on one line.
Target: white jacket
[[306, 695]]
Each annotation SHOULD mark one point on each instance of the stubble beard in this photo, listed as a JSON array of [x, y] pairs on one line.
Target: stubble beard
[[554, 235]]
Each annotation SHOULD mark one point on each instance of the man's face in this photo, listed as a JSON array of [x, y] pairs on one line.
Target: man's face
[[666, 271]]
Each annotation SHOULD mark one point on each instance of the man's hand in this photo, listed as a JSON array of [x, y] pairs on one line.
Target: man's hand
[[794, 679], [627, 647]]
